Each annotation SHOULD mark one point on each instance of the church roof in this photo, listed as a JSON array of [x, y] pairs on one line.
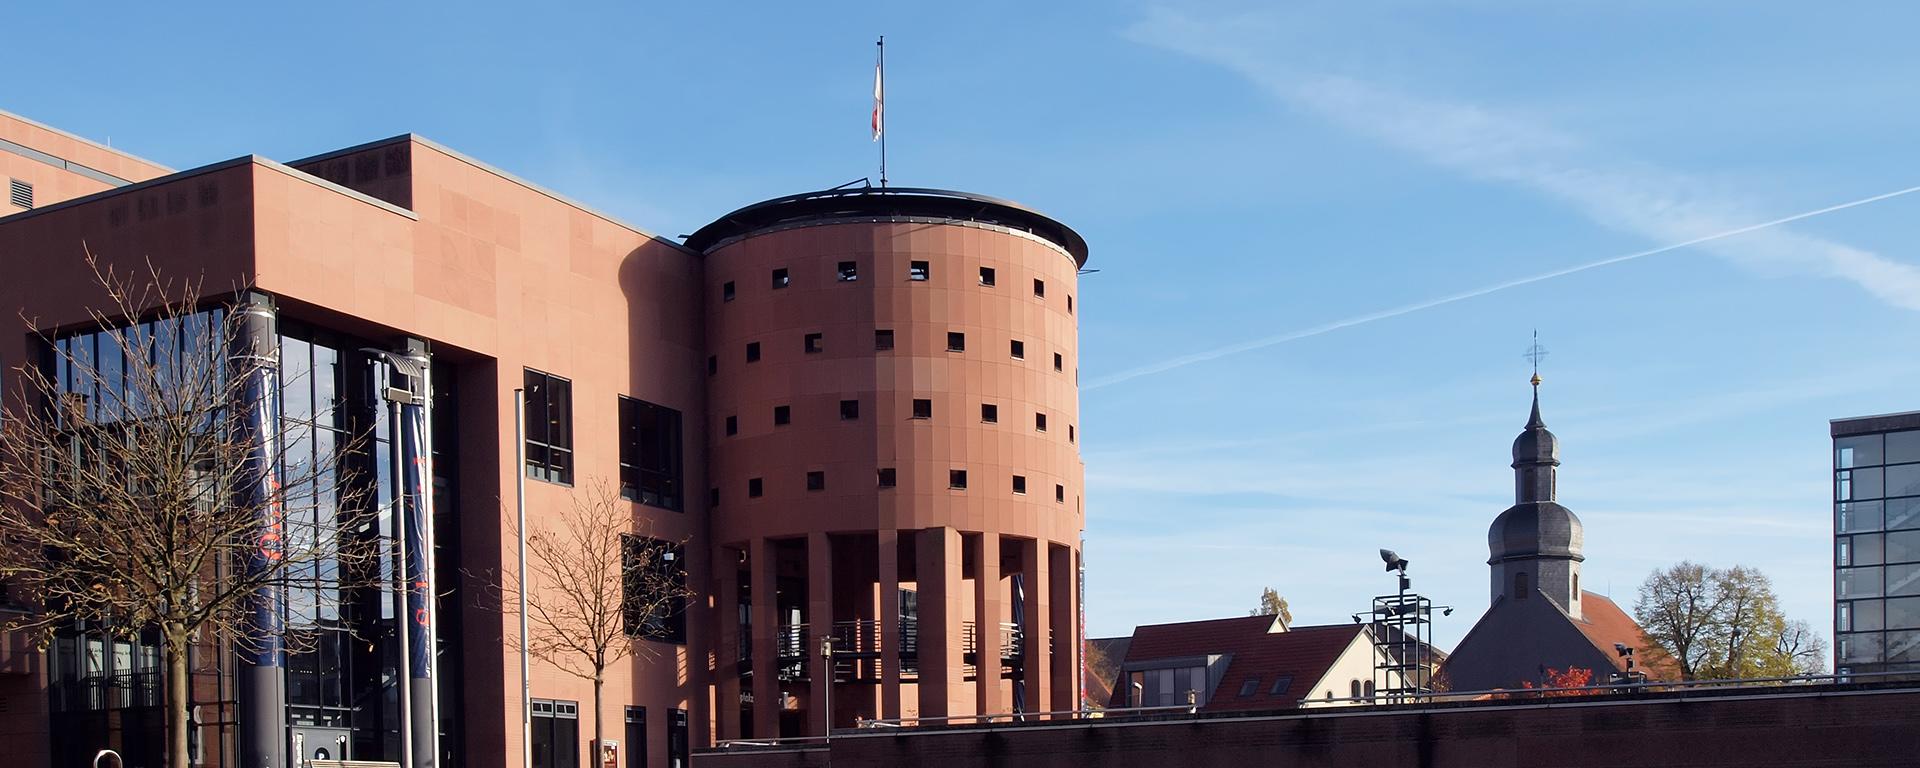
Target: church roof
[[1535, 528], [1604, 624]]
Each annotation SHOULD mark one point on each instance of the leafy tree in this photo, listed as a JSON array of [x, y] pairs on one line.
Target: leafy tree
[[598, 585], [1724, 624], [1271, 603], [122, 465], [1571, 677]]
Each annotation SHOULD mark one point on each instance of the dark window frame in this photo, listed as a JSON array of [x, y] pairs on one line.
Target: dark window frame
[[780, 278], [847, 271], [919, 271], [652, 466], [549, 410]]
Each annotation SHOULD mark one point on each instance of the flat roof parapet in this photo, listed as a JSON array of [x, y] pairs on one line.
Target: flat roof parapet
[[887, 202]]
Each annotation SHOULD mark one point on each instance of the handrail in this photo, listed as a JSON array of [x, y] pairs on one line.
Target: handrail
[[987, 719], [1645, 685]]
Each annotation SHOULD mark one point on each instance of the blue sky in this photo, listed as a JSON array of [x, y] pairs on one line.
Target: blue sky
[[1242, 172]]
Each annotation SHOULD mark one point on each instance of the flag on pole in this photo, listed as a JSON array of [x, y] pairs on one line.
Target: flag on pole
[[879, 99]]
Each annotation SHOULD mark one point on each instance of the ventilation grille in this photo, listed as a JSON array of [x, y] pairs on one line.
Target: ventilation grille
[[20, 193]]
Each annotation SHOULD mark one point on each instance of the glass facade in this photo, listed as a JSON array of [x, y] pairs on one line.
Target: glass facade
[[1876, 554]]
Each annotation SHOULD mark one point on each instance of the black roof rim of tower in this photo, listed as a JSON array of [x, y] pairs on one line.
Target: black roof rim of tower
[[888, 201]]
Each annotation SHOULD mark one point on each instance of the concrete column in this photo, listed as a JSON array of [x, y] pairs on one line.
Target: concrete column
[[941, 609], [1039, 668], [764, 575], [1066, 636], [727, 643], [820, 626], [888, 585], [989, 608]]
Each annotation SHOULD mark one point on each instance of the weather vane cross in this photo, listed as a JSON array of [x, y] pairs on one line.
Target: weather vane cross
[[1534, 354]]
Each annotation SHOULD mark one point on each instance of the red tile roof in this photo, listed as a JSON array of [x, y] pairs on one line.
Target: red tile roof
[[1302, 653], [1605, 624]]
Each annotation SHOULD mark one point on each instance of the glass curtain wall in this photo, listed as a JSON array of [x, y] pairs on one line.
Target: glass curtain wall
[[1876, 491]]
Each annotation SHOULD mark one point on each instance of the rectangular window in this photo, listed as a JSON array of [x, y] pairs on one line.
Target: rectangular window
[[1070, 433], [816, 481], [653, 590], [754, 488], [556, 733], [1018, 349], [713, 364], [549, 425], [679, 747], [753, 351], [1060, 493], [650, 457], [1040, 422], [726, 291], [813, 344], [986, 276], [1069, 303], [1020, 484], [989, 413], [782, 415], [956, 341], [882, 340], [918, 270], [713, 497], [887, 477], [780, 278], [1280, 685], [1039, 288], [1903, 480], [1250, 687], [957, 478], [849, 410], [848, 271], [922, 408], [1059, 362], [1903, 447], [733, 425], [636, 746]]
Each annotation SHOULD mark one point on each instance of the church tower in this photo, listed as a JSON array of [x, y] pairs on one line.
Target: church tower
[[1535, 546]]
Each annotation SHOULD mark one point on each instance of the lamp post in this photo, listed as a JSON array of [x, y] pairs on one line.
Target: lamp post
[[826, 679]]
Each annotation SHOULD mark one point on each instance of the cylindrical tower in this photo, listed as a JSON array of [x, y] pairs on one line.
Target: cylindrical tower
[[894, 421]]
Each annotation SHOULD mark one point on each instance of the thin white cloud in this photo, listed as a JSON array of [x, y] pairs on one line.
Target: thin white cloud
[[1489, 145]]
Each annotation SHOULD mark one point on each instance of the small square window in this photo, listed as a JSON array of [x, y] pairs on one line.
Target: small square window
[[1069, 303], [814, 346], [1039, 287], [882, 340], [1280, 685], [753, 351], [956, 341], [1059, 493], [887, 479], [782, 415], [1040, 422], [1059, 362], [922, 408], [1020, 484], [1250, 686], [1070, 435], [754, 488], [726, 291], [816, 481], [918, 270], [986, 276], [990, 413], [848, 271], [713, 497], [957, 478], [780, 278], [849, 410], [1019, 349], [733, 426], [713, 365]]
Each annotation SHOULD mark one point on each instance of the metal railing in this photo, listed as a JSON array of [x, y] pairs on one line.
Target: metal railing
[[1647, 686], [1017, 717]]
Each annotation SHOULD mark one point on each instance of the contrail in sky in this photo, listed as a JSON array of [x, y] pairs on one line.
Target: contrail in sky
[[1248, 346]]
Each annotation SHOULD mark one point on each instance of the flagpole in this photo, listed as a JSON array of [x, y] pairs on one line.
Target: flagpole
[[882, 45]]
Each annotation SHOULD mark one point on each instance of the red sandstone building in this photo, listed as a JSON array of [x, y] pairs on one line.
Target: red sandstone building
[[859, 407]]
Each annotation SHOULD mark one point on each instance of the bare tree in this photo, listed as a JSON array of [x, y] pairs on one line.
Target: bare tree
[[125, 471], [598, 585], [1804, 650]]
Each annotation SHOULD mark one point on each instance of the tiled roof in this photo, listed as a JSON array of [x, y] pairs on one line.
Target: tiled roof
[[1605, 624], [1303, 654]]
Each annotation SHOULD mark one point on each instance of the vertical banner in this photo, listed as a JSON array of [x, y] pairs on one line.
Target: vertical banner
[[415, 501], [261, 678]]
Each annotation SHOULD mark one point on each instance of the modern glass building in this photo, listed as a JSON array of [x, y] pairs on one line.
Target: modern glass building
[[1876, 553]]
